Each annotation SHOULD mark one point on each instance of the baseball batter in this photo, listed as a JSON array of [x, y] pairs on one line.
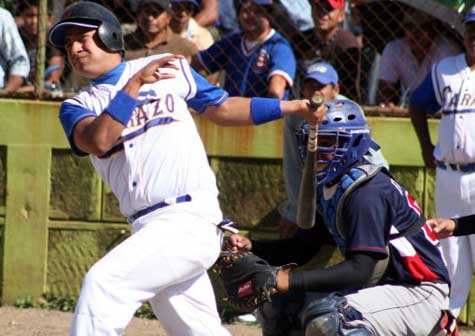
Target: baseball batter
[[134, 123], [449, 87], [392, 281]]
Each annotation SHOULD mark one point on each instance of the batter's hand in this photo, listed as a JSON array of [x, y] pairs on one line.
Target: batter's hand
[[237, 242], [442, 227], [313, 115], [152, 73]]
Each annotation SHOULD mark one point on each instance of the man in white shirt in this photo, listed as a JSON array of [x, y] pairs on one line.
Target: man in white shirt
[[14, 63], [408, 59]]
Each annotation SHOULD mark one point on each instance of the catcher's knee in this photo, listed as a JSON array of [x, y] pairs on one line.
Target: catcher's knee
[[332, 316]]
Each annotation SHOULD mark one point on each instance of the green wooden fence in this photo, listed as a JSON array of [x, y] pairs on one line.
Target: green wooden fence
[[57, 218]]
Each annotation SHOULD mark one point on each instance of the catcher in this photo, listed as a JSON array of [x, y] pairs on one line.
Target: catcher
[[392, 281]]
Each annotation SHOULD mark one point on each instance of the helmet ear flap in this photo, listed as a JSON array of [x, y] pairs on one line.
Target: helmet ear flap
[[112, 39]]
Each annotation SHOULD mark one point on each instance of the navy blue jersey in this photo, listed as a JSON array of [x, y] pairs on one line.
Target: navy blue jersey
[[380, 208], [248, 71]]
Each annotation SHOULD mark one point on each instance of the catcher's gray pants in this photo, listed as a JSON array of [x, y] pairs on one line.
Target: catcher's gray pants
[[387, 310], [401, 310]]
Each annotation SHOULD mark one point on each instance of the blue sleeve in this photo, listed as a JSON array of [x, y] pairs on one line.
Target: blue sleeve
[[283, 60], [214, 58], [365, 216], [206, 94], [69, 116], [423, 98]]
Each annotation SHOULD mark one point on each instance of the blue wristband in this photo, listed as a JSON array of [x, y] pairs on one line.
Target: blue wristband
[[121, 107], [265, 109]]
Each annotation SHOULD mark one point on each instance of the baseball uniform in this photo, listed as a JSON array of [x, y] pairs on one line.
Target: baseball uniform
[[449, 88], [159, 172]]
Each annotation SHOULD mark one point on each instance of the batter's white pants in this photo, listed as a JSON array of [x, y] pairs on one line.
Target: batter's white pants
[[163, 262], [455, 197]]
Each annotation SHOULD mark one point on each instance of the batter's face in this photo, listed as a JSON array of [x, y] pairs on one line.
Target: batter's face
[[253, 19], [469, 40], [152, 19], [325, 16], [313, 87], [86, 53]]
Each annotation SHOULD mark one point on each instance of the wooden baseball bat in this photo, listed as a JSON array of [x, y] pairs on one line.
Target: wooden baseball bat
[[307, 206]]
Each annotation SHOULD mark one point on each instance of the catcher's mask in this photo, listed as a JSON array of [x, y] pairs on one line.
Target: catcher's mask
[[89, 15], [343, 138]]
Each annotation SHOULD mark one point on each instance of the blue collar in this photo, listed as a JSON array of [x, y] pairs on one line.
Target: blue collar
[[111, 77]]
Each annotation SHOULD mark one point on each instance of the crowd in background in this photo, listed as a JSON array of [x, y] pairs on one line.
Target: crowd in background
[[381, 50]]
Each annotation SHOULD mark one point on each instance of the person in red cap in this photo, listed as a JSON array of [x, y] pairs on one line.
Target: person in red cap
[[337, 4], [330, 42]]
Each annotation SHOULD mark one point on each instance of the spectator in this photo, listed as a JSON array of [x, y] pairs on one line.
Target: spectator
[[334, 44], [258, 61], [153, 34], [183, 24], [320, 79], [208, 13], [14, 63], [28, 11], [407, 60], [227, 20], [449, 87], [300, 13]]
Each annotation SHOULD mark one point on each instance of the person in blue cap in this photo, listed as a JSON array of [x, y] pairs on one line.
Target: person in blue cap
[[449, 88], [321, 79], [258, 61]]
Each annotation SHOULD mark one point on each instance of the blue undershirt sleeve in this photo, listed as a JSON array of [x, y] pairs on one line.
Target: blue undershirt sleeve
[[206, 94], [70, 115]]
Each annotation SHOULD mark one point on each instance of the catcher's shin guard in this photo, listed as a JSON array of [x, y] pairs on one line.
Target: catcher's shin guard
[[332, 316]]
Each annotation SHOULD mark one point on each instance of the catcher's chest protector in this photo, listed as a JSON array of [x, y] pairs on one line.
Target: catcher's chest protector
[[332, 199], [330, 203]]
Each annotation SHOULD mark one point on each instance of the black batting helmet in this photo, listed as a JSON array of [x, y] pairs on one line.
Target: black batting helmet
[[89, 15]]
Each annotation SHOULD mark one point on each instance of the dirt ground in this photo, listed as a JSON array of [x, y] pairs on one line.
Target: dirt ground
[[37, 322]]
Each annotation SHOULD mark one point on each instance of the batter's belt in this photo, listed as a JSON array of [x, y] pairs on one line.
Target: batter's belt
[[159, 205]]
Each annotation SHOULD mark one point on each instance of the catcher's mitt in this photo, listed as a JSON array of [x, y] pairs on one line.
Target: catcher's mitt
[[248, 280]]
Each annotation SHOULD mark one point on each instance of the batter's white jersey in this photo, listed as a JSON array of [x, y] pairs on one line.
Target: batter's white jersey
[[454, 88], [160, 155]]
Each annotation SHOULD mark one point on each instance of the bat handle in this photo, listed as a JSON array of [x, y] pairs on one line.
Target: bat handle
[[312, 138], [315, 102]]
